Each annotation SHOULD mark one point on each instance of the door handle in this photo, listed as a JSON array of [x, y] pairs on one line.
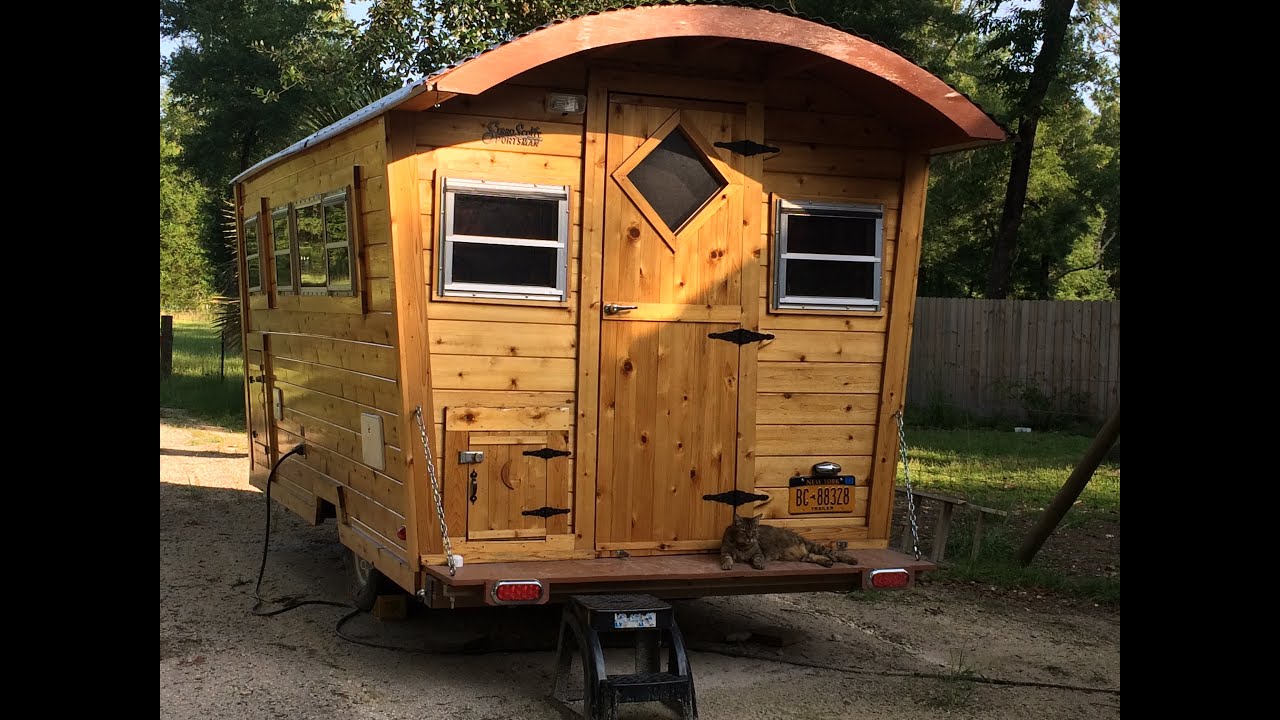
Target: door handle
[[611, 309]]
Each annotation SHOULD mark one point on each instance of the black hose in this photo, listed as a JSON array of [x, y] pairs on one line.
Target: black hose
[[301, 449]]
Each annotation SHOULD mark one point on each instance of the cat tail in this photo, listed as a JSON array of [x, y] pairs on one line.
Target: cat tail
[[839, 556]]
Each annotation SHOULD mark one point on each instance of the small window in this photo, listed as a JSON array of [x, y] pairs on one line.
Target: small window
[[337, 242], [828, 256], [282, 241], [504, 240], [676, 180], [324, 238], [252, 252]]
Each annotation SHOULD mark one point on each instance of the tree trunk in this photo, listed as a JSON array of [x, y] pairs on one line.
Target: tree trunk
[[1057, 14], [1071, 489]]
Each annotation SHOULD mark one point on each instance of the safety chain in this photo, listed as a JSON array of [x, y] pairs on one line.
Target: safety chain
[[906, 473], [435, 489]]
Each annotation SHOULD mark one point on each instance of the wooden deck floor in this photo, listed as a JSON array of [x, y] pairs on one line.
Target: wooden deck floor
[[693, 568]]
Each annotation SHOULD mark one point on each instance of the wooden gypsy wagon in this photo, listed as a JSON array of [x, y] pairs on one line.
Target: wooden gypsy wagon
[[637, 268]]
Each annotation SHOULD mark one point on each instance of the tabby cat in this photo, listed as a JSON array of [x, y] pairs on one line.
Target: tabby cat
[[747, 540]]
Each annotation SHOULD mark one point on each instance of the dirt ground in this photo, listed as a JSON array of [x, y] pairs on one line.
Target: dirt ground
[[937, 651]]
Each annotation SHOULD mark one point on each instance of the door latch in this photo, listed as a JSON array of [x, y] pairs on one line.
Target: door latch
[[612, 309]]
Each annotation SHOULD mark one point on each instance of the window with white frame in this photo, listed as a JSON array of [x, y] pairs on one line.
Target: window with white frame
[[325, 242], [828, 256], [504, 240], [282, 242], [253, 252]]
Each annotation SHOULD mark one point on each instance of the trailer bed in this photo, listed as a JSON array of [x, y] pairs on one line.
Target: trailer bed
[[667, 576]]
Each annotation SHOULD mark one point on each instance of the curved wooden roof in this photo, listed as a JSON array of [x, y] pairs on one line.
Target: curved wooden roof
[[939, 106], [655, 22]]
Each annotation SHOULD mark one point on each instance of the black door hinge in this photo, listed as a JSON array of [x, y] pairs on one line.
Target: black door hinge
[[736, 497], [546, 453], [741, 336], [546, 512], [747, 147]]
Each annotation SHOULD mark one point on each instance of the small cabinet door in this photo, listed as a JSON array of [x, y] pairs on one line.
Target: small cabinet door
[[510, 492]]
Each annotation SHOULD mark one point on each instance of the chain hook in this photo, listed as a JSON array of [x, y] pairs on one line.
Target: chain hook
[[435, 489], [906, 474]]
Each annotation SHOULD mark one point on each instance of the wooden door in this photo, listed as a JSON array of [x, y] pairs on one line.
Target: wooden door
[[673, 255]]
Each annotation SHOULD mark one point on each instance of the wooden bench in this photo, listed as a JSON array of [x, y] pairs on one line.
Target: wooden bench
[[943, 526]]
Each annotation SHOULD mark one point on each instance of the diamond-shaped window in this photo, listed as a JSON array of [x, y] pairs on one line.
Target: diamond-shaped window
[[676, 179]]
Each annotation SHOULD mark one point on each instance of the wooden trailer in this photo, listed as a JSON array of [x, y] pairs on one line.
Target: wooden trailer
[[637, 268]]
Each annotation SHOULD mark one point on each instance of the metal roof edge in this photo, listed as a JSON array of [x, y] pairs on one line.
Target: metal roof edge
[[368, 112]]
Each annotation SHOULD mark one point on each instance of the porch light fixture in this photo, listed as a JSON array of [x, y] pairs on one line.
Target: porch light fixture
[[566, 104]]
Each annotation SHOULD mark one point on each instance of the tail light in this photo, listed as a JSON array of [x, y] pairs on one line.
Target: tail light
[[890, 579], [518, 592]]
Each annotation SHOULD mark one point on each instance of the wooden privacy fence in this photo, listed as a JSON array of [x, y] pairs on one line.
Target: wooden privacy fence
[[1042, 361]]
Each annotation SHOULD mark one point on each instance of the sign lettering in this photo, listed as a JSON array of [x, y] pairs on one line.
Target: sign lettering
[[519, 135]]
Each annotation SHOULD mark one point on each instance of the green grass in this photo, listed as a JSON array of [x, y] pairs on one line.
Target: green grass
[[195, 385], [1020, 473], [1017, 472]]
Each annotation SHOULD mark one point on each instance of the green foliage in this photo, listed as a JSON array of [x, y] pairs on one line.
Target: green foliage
[[928, 32], [253, 76], [184, 269], [246, 97], [1068, 245], [413, 38], [1056, 409]]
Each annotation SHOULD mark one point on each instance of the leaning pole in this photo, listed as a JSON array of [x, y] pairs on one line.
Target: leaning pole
[[1071, 490]]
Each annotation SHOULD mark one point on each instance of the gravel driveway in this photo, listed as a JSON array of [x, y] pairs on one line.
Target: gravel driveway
[[814, 655]]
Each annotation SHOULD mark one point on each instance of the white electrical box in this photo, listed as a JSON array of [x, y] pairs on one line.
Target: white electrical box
[[277, 404], [371, 441]]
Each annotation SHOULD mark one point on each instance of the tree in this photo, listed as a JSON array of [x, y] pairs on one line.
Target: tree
[[184, 269], [1046, 27], [926, 31], [244, 96]]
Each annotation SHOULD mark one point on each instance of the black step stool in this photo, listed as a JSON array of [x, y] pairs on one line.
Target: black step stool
[[651, 621]]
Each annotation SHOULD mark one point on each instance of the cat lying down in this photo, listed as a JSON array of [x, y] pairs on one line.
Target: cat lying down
[[746, 540]]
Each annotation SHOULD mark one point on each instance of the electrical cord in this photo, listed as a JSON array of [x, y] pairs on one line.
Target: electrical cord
[[702, 647], [337, 629], [300, 449]]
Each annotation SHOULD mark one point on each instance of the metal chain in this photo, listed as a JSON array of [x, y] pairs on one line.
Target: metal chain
[[435, 489], [906, 473]]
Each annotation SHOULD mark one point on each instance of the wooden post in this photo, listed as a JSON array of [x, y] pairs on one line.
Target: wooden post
[[166, 346], [1071, 490], [940, 533], [977, 537]]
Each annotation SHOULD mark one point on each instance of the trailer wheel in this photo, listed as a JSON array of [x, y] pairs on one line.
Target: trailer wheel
[[367, 582]]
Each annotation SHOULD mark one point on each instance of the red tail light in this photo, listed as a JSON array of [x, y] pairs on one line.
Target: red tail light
[[511, 592], [890, 579]]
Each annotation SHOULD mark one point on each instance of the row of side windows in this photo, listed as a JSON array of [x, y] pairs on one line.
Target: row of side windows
[[311, 244], [510, 240]]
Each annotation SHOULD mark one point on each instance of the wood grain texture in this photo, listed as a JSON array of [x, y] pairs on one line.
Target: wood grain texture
[[669, 407], [901, 317], [587, 383], [503, 418], [802, 377], [414, 362]]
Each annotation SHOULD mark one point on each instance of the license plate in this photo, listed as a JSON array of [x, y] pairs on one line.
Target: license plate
[[635, 620], [820, 494]]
